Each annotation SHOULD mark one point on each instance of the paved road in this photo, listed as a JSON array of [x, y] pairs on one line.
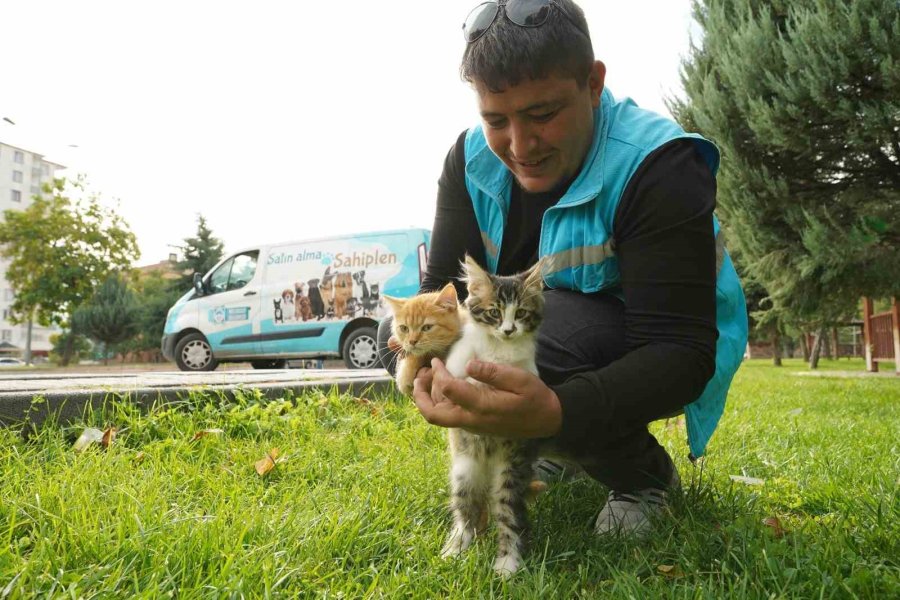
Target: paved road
[[67, 393]]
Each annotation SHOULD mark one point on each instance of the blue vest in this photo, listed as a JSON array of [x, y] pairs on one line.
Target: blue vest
[[576, 233]]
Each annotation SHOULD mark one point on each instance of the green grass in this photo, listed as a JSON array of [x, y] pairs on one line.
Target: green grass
[[357, 509]]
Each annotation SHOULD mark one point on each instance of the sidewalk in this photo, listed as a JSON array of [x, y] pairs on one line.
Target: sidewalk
[[67, 394]]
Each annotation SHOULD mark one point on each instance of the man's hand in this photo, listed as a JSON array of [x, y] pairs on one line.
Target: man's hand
[[513, 404]]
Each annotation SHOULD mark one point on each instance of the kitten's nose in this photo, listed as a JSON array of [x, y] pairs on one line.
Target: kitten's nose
[[509, 332]]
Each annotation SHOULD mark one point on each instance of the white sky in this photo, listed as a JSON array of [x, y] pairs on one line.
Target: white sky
[[275, 120]]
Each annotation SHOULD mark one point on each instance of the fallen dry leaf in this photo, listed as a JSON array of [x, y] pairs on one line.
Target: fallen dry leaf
[[795, 412], [88, 436], [267, 463], [747, 480], [139, 457], [109, 436], [670, 571], [205, 432], [675, 423], [374, 408], [535, 488], [775, 524]]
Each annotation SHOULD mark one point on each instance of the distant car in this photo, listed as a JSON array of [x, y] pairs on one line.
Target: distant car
[[11, 362]]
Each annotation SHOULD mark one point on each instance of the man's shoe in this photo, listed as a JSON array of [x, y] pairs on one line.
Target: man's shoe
[[553, 470], [630, 513]]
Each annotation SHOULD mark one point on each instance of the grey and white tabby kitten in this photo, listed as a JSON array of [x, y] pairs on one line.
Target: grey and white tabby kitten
[[491, 472]]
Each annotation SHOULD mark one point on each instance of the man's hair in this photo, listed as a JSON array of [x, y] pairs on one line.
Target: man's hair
[[508, 54]]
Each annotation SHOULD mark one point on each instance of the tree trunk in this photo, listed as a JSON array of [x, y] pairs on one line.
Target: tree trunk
[[804, 346], [776, 348], [28, 341], [834, 343], [105, 355], [65, 349], [816, 349]]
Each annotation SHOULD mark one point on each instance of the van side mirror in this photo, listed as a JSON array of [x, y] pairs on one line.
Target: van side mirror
[[198, 284]]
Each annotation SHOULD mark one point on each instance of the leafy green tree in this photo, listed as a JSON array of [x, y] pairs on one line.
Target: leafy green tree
[[155, 296], [803, 99], [60, 250], [201, 253], [110, 316], [68, 346]]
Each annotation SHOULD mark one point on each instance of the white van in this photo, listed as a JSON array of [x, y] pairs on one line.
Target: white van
[[307, 299]]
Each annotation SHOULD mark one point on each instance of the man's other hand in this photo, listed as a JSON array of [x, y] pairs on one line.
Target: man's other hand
[[509, 402]]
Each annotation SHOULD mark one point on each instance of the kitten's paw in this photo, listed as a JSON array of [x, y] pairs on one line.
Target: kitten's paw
[[506, 565], [457, 542], [405, 387]]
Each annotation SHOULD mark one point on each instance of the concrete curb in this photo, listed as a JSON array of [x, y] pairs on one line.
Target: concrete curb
[[33, 399]]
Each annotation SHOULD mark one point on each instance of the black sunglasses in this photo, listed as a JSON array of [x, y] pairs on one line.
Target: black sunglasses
[[524, 13]]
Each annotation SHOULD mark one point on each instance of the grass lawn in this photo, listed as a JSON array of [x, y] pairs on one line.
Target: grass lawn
[[357, 508]]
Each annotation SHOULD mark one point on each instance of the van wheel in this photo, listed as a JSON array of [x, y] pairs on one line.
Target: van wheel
[[193, 353], [268, 364], [360, 349]]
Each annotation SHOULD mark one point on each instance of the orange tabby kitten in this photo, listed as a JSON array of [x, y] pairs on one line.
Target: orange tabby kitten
[[425, 326]]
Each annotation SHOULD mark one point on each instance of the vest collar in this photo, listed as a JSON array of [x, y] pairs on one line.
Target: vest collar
[[488, 173]]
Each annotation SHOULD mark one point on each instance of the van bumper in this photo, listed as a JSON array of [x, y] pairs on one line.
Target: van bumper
[[168, 346]]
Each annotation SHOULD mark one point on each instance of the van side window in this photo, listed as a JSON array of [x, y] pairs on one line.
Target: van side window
[[234, 273]]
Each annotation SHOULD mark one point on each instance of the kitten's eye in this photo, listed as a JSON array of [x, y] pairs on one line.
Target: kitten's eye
[[520, 313], [404, 329], [494, 313], [426, 327]]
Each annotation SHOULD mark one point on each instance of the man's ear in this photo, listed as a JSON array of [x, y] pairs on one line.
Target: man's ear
[[596, 81]]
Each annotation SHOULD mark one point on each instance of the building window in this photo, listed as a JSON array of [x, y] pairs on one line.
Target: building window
[[17, 176], [35, 173], [6, 314], [35, 189], [10, 294], [18, 157], [16, 195], [45, 169], [7, 335]]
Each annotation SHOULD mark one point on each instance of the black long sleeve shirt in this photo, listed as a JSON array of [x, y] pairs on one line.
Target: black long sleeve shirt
[[664, 242]]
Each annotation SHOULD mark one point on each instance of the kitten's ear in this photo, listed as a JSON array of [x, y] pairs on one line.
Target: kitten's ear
[[477, 279], [447, 298], [397, 304], [535, 275]]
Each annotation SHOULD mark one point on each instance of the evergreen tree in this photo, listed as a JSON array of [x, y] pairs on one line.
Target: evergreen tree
[[155, 296], [803, 99], [110, 316], [201, 253]]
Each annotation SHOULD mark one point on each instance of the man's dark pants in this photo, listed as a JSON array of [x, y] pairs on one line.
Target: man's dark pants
[[584, 332]]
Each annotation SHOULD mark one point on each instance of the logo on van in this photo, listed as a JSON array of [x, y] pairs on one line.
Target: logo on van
[[224, 314]]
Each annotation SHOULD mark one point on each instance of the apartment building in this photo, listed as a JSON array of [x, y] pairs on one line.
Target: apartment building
[[22, 172]]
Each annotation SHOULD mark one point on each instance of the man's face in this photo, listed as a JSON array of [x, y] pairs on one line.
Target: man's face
[[542, 129]]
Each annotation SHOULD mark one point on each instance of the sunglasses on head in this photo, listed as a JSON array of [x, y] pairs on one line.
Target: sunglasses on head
[[524, 13]]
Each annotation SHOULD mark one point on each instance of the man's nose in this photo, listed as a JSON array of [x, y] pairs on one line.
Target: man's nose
[[521, 140]]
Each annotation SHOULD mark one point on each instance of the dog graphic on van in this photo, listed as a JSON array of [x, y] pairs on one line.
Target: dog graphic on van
[[326, 289], [279, 313], [302, 306], [317, 305], [343, 291], [287, 305]]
